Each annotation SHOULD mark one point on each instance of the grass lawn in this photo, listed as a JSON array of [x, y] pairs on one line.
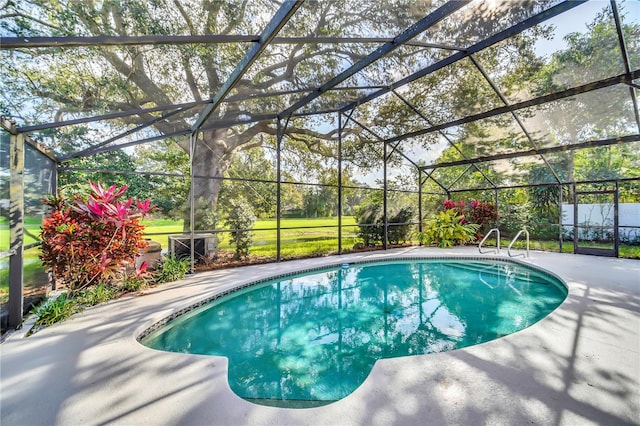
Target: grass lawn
[[306, 242], [323, 238], [31, 228], [34, 276]]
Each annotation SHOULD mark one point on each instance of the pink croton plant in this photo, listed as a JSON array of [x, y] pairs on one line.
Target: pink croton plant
[[90, 239]]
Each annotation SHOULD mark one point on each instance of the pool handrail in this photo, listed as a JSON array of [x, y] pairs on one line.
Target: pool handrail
[[497, 249], [514, 240]]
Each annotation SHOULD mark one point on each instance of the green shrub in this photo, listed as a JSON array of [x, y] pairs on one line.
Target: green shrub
[[371, 224], [131, 284], [172, 269], [543, 229], [447, 229], [397, 234], [240, 219], [53, 310], [97, 294], [513, 217]]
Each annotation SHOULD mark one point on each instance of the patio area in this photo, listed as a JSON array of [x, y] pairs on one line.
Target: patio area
[[580, 365]]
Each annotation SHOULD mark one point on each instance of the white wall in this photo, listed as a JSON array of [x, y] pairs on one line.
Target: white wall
[[602, 214]]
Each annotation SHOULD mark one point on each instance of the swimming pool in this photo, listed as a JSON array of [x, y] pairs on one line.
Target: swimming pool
[[312, 338]]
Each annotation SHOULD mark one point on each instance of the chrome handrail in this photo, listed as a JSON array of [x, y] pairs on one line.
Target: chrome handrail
[[496, 250], [514, 240]]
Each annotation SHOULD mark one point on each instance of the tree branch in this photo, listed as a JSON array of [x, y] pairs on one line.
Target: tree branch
[[213, 79], [191, 80], [27, 17], [185, 16], [236, 18], [290, 64]]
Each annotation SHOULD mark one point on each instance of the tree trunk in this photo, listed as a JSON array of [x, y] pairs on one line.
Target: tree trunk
[[212, 158]]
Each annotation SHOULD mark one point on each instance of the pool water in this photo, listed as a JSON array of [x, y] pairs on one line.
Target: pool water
[[313, 338]]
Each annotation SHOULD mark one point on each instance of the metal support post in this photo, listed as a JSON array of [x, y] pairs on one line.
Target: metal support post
[[385, 203], [193, 137], [54, 190], [339, 183], [616, 222], [575, 218], [279, 134], [560, 217], [16, 229], [497, 209], [420, 183]]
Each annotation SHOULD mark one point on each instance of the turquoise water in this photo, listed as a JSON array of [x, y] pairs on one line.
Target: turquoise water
[[315, 337]]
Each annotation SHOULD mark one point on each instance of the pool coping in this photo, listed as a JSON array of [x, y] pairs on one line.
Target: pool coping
[[581, 364]]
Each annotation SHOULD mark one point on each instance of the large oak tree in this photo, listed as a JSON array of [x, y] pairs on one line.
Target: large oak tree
[[47, 84], [90, 81]]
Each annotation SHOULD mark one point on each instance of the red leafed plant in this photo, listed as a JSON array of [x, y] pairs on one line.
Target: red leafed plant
[[483, 214], [90, 239]]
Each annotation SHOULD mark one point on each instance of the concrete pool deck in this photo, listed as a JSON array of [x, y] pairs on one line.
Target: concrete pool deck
[[580, 365]]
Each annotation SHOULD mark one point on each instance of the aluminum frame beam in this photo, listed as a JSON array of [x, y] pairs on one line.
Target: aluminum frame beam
[[429, 175], [186, 105], [513, 114], [381, 140], [443, 134], [456, 180], [90, 150], [536, 185], [538, 151], [503, 35], [280, 132], [56, 124], [276, 23], [415, 29], [386, 157], [97, 41], [625, 59], [589, 87], [218, 125]]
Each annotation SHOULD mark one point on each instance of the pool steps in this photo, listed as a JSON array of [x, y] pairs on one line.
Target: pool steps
[[496, 250], [482, 268]]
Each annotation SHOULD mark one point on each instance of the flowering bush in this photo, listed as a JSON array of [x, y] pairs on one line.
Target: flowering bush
[[88, 240], [448, 229], [482, 214]]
